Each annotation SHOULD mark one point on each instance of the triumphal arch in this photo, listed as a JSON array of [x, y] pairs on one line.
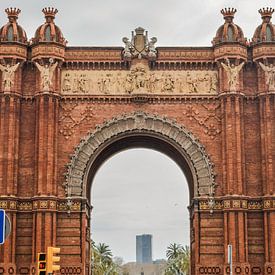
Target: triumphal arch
[[65, 110]]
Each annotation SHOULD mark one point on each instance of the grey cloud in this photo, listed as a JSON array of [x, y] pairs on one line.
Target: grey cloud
[[106, 22]]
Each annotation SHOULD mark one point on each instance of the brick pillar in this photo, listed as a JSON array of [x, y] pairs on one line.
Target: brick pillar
[[46, 136], [267, 115], [267, 123], [10, 108], [235, 221]]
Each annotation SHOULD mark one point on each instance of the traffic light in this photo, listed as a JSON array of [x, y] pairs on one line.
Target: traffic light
[[41, 266], [52, 259]]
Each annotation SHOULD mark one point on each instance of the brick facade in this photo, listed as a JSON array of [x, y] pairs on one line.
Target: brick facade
[[47, 128]]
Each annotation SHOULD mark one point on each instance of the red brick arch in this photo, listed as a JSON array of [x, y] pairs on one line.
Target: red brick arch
[[141, 128]]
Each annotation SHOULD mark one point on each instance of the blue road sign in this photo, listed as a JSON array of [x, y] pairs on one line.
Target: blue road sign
[[2, 226]]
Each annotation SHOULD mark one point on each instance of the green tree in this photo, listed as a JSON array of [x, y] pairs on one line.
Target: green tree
[[102, 260], [104, 252], [178, 262]]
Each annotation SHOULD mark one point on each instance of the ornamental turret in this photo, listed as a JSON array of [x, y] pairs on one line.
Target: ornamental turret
[[48, 41], [13, 52], [49, 31], [263, 46], [266, 31], [229, 32], [48, 52], [12, 32], [230, 52], [13, 38], [229, 41]]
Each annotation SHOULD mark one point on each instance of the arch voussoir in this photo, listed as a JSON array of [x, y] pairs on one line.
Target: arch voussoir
[[136, 123]]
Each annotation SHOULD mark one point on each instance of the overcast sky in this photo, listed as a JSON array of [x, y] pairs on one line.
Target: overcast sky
[[138, 192], [105, 22]]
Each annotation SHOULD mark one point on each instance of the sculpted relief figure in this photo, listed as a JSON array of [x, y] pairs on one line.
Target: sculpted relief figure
[[269, 76], [8, 72], [46, 74], [210, 83], [192, 83], [138, 80], [67, 86], [232, 72], [83, 83], [168, 83]]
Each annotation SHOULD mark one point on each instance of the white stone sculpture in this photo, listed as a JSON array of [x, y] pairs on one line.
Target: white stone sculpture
[[46, 74], [127, 52], [152, 52], [8, 76], [138, 80], [232, 72], [269, 76]]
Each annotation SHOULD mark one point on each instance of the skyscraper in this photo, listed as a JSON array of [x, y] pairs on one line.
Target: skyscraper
[[144, 248]]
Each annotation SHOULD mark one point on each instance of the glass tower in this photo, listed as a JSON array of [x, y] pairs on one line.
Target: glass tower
[[144, 248]]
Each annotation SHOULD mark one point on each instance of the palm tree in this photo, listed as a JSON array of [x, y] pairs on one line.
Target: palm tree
[[104, 252], [173, 251], [101, 261], [186, 259], [178, 259]]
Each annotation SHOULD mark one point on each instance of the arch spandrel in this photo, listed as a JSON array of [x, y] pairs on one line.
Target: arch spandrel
[[140, 124]]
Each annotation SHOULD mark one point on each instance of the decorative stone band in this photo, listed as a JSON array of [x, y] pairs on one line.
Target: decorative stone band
[[39, 205], [140, 122], [239, 204], [15, 51]]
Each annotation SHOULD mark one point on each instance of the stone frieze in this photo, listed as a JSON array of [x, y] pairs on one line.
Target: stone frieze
[[139, 80]]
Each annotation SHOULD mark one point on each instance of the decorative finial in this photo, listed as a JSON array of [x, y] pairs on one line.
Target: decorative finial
[[139, 31], [12, 13], [266, 12], [50, 13], [228, 13]]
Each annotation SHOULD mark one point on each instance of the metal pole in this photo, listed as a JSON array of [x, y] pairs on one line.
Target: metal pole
[[230, 258]]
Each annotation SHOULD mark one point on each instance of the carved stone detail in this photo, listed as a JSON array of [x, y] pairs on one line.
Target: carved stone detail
[[139, 46], [69, 122], [232, 73], [269, 71], [46, 74], [205, 121], [8, 73], [139, 80], [131, 123]]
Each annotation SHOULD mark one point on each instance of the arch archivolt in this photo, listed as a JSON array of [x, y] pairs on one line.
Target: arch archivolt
[[133, 124]]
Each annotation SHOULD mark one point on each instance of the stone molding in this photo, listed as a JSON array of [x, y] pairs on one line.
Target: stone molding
[[139, 80], [13, 204], [235, 204], [140, 122]]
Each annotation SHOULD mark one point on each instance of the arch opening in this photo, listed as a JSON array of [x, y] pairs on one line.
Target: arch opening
[[140, 130], [138, 140], [147, 193]]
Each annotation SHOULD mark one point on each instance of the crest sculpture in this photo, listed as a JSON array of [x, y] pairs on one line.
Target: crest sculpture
[[139, 46]]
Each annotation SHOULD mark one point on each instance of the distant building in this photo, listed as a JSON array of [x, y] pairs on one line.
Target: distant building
[[144, 248], [144, 269]]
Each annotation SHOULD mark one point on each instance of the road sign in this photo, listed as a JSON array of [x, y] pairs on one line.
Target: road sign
[[5, 226]]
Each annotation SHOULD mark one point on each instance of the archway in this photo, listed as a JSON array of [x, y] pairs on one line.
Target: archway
[[140, 130], [147, 193], [148, 131]]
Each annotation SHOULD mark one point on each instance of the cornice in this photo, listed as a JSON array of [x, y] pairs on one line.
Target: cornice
[[41, 203], [239, 203]]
